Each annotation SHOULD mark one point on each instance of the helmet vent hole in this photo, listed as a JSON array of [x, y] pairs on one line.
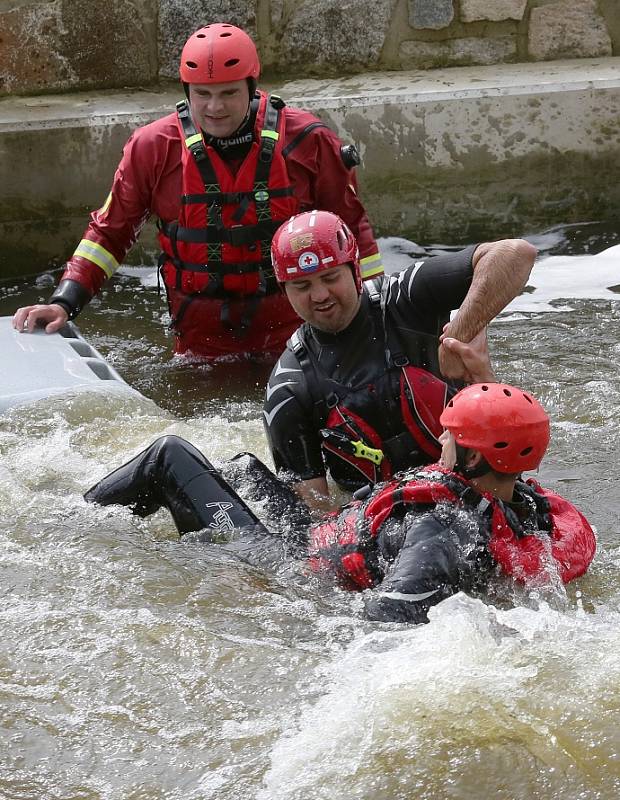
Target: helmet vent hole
[[529, 399], [232, 62], [526, 452], [500, 445], [485, 388], [201, 35], [224, 35], [507, 392], [342, 239], [191, 64]]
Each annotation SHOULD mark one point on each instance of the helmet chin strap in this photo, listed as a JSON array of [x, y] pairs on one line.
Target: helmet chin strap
[[481, 468]]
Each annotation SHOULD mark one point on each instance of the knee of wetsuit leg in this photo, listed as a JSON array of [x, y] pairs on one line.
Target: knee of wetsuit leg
[[179, 458]]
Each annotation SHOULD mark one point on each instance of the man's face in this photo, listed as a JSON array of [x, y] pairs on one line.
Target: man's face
[[327, 300], [219, 108]]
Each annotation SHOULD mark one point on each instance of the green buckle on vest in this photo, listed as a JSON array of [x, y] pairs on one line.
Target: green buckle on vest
[[356, 448], [261, 196], [369, 453]]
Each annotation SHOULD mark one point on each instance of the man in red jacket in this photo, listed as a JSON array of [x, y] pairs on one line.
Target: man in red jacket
[[221, 174]]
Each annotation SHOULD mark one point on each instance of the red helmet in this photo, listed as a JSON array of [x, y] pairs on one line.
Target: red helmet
[[219, 53], [312, 242], [507, 425]]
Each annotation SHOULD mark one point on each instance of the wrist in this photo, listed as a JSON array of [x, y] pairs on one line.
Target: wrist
[[71, 296]]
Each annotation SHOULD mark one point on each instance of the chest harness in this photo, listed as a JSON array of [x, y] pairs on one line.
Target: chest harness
[[417, 404], [347, 541], [219, 247]]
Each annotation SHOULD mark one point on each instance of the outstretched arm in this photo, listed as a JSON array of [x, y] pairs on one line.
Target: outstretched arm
[[501, 270], [473, 355]]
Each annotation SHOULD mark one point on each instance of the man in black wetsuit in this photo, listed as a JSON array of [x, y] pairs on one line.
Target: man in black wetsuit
[[359, 390], [415, 541]]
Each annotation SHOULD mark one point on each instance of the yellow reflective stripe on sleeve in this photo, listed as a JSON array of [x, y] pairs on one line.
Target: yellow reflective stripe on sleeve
[[196, 137], [106, 205], [98, 255], [270, 134], [371, 266]]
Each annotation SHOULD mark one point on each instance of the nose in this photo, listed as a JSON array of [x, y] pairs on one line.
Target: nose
[[319, 292], [215, 105]]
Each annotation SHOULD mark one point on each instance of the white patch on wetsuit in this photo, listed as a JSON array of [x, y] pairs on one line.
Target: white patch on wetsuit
[[269, 416], [280, 370], [272, 389], [409, 598], [412, 275], [221, 518]]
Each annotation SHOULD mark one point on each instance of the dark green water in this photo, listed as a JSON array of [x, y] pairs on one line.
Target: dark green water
[[135, 666]]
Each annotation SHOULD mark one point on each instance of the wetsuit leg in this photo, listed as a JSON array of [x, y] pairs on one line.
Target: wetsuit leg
[[174, 474], [286, 513]]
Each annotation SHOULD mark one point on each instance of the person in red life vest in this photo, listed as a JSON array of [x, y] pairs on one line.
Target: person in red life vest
[[359, 390], [412, 541], [449, 526], [220, 174]]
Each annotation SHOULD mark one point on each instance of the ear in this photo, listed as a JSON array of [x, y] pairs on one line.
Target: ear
[[473, 458]]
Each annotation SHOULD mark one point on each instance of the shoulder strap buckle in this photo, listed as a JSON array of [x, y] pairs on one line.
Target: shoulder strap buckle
[[297, 344], [276, 101]]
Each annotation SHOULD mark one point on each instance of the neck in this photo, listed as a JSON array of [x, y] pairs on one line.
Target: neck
[[240, 140], [501, 486]]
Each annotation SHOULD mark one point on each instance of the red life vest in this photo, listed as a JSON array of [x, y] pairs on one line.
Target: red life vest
[[349, 437], [345, 541], [422, 399], [219, 246]]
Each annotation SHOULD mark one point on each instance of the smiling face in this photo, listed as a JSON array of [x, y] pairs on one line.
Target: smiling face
[[219, 108], [328, 300]]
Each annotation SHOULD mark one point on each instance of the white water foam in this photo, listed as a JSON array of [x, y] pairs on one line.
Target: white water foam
[[553, 279]]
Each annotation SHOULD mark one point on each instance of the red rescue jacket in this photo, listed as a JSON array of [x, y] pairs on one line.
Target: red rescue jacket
[[344, 541], [219, 246]]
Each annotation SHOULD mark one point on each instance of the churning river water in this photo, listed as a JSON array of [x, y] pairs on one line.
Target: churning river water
[[136, 666]]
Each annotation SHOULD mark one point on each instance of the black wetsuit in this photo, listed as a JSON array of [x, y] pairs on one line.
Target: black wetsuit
[[419, 557], [429, 554], [353, 365], [172, 473]]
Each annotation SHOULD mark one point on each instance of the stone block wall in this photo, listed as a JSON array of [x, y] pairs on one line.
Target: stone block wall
[[71, 45]]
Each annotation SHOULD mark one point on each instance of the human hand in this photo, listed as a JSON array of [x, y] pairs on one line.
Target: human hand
[[50, 317], [466, 361]]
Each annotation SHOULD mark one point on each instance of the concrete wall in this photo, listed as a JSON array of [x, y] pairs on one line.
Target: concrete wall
[[448, 155], [64, 45], [453, 154]]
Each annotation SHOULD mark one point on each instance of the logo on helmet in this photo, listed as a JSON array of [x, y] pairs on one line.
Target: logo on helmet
[[210, 61], [300, 241], [308, 261]]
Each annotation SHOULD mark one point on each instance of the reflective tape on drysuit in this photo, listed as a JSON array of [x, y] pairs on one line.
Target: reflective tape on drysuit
[[371, 266], [98, 255]]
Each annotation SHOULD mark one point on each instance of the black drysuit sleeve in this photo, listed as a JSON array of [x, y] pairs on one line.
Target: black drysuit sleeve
[[429, 555]]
